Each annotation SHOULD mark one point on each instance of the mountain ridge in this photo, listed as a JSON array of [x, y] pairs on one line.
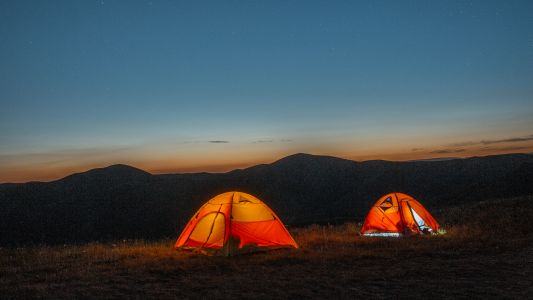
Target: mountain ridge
[[121, 201], [300, 156]]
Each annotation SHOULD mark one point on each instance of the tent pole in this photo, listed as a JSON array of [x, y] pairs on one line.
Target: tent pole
[[227, 239], [212, 226], [401, 213]]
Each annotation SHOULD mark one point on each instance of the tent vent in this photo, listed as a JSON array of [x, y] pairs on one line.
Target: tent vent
[[244, 200], [387, 202]]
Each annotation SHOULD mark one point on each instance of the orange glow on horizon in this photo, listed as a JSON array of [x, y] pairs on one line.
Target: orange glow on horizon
[[205, 162]]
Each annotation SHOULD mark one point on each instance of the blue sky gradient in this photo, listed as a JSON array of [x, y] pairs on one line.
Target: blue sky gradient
[[151, 83]]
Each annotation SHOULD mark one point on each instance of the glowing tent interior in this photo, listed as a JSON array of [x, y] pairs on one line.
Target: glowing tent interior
[[398, 214], [233, 223]]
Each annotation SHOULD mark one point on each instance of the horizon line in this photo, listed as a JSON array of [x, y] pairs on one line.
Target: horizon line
[[169, 172]]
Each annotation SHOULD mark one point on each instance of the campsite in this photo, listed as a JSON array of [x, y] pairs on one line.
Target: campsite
[[486, 253], [484, 250], [207, 149]]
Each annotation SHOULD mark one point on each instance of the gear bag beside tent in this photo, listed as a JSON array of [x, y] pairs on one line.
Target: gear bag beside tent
[[398, 214], [233, 223]]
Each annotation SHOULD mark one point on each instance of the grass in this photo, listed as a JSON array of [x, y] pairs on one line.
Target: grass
[[487, 253]]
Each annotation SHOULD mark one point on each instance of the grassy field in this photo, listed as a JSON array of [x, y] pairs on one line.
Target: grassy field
[[487, 252]]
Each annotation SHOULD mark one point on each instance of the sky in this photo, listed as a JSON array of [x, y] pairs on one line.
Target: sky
[[188, 86]]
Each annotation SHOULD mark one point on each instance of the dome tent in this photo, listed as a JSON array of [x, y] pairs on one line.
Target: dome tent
[[233, 223], [398, 214]]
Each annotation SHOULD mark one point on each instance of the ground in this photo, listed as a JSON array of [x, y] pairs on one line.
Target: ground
[[487, 252]]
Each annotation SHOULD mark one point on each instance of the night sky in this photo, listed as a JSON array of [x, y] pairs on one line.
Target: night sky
[[170, 86]]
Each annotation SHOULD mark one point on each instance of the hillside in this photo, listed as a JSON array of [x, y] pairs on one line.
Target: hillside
[[122, 202], [487, 253]]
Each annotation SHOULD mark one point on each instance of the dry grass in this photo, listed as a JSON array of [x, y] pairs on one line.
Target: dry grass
[[488, 252]]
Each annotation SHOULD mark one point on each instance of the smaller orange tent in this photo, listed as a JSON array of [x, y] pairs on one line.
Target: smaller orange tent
[[397, 214], [233, 223]]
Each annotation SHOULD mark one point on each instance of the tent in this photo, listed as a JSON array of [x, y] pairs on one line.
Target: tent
[[233, 223], [397, 214]]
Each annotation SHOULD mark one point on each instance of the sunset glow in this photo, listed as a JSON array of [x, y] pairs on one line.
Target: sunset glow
[[192, 87], [225, 157]]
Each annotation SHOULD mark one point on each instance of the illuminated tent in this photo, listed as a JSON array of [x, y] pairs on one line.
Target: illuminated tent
[[233, 223], [397, 214]]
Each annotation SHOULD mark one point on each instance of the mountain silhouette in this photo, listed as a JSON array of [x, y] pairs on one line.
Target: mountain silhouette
[[123, 202], [113, 172]]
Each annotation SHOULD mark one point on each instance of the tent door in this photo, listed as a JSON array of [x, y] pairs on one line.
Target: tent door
[[419, 221], [210, 230]]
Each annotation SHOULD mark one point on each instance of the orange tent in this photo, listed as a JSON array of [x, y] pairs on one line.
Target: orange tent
[[233, 223], [398, 214]]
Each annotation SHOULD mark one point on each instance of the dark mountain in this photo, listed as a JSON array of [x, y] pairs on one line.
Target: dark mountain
[[122, 202], [118, 173]]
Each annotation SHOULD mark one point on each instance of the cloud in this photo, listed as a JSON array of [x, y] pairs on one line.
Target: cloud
[[63, 154], [272, 141], [490, 142], [262, 141], [218, 142], [447, 151], [416, 149], [514, 148], [510, 148], [464, 144], [509, 140]]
